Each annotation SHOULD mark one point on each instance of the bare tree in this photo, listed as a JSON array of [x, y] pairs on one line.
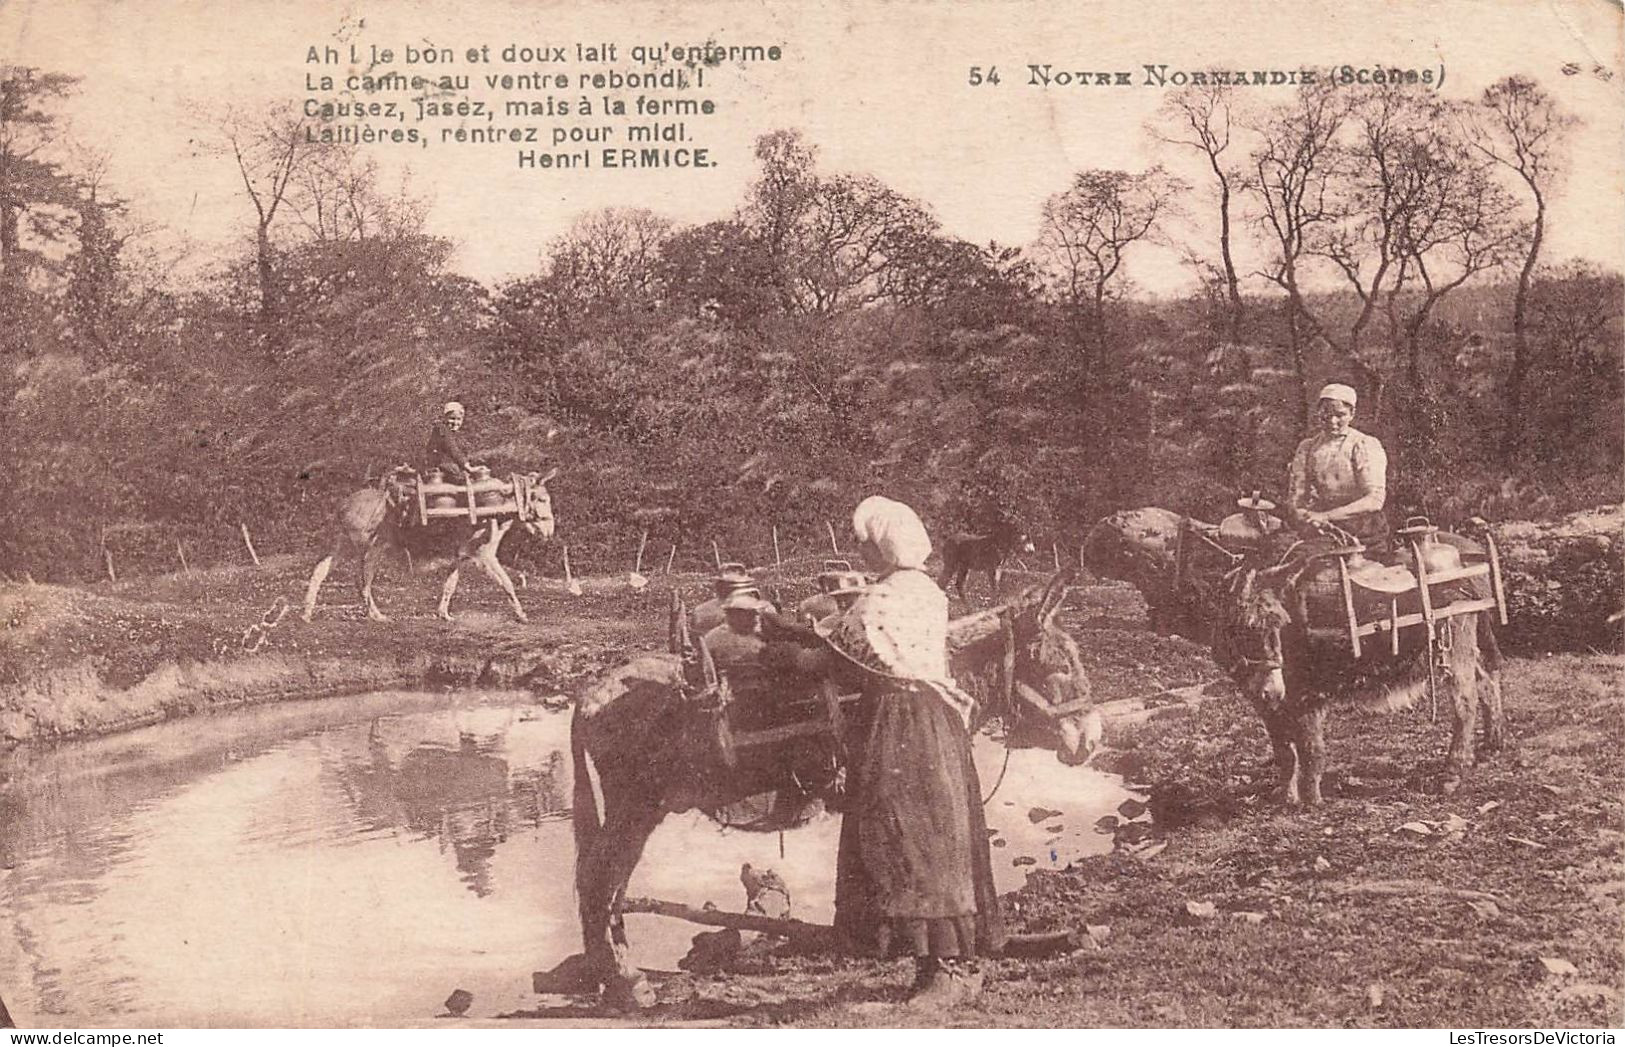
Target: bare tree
[[338, 195], [1293, 167], [1522, 128], [777, 202], [834, 242], [1416, 215], [1087, 232], [857, 240], [269, 150], [1201, 117], [612, 255], [1462, 224]]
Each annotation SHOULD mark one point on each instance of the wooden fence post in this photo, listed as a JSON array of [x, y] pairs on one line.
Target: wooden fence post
[[252, 555], [107, 555]]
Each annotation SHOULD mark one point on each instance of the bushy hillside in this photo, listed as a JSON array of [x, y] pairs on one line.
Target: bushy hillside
[[714, 382]]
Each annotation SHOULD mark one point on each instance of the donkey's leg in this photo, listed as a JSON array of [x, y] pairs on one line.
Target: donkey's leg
[[486, 557], [465, 553], [369, 570], [602, 878], [1463, 668], [318, 576], [1489, 686], [450, 587], [1273, 703], [488, 563], [1489, 696], [1310, 730], [1286, 757]]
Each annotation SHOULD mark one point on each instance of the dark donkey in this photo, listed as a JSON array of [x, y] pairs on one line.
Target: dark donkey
[[964, 553], [641, 750], [1253, 613], [1261, 637]]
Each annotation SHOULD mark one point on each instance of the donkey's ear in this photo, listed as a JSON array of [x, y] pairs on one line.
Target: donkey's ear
[[708, 667], [547, 476], [1283, 577]]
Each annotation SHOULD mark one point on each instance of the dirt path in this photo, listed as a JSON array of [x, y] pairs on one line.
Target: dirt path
[[1388, 906]]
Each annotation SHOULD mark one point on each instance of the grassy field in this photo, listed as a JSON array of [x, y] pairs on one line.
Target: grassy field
[[1499, 905]]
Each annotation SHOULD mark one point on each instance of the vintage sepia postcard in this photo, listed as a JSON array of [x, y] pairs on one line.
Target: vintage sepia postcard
[[915, 513]]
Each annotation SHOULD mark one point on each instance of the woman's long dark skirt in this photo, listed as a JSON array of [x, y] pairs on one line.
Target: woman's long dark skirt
[[915, 874]]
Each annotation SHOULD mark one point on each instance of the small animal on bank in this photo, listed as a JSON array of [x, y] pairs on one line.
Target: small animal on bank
[[964, 553], [765, 892]]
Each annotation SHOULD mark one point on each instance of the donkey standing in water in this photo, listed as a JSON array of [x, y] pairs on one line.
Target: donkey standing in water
[[642, 750], [371, 523]]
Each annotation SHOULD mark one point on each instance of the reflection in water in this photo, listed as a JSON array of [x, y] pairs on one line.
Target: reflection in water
[[466, 797], [350, 862]]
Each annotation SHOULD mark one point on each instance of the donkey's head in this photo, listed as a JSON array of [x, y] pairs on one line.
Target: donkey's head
[[1052, 702], [1009, 537], [1250, 617]]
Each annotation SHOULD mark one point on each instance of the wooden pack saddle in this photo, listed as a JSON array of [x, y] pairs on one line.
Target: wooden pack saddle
[[426, 498], [1350, 596]]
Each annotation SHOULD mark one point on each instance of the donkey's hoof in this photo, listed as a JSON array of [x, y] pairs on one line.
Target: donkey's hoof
[[629, 994], [572, 976]]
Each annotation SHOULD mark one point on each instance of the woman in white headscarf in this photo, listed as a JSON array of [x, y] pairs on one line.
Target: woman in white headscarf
[[915, 874]]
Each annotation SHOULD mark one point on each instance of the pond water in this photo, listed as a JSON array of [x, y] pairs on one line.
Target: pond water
[[351, 861]]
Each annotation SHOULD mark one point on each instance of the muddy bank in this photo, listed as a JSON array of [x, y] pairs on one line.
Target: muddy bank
[[79, 662]]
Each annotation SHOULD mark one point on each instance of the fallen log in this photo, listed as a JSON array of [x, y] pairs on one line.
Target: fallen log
[[795, 930], [1411, 889], [1040, 946], [822, 935]]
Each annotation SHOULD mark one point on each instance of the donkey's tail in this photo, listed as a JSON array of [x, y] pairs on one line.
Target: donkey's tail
[[586, 817]]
